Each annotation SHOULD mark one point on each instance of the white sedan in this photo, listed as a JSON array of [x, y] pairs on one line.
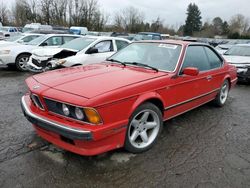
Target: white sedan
[[239, 56], [19, 54], [82, 51], [22, 39]]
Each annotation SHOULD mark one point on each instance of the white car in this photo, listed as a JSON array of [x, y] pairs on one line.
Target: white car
[[239, 56], [22, 39], [85, 50], [8, 31], [20, 53]]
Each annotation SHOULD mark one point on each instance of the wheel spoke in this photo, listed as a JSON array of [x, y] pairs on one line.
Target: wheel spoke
[[144, 136], [150, 125], [144, 117], [134, 135], [135, 123]]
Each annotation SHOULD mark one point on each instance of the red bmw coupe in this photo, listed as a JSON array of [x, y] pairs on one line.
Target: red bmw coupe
[[123, 101]]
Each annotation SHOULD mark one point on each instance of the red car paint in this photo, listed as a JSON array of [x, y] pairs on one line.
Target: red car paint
[[115, 92]]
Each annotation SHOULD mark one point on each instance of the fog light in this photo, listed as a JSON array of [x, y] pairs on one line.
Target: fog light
[[79, 113], [65, 110]]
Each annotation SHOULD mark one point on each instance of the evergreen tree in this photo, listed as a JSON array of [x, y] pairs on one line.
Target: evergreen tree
[[193, 21]]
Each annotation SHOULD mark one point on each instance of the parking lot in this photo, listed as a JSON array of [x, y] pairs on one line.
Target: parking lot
[[206, 147]]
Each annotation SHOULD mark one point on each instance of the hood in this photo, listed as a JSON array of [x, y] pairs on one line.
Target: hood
[[225, 46], [237, 59], [50, 51], [96, 79]]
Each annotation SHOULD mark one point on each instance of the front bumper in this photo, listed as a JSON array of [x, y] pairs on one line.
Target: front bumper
[[243, 73], [71, 133], [6, 59], [86, 142]]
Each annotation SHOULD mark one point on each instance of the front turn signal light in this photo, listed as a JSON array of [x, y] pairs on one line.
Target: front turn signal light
[[93, 116]]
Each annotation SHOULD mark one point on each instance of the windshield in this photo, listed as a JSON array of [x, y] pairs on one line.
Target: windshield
[[239, 51], [37, 41], [78, 44], [158, 55], [27, 29], [14, 38], [4, 29], [146, 37]]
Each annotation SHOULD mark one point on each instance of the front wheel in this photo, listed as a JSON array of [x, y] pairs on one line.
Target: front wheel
[[144, 128], [221, 97], [21, 62]]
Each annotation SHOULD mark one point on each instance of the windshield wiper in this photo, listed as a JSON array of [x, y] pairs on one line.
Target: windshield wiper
[[114, 60], [142, 65]]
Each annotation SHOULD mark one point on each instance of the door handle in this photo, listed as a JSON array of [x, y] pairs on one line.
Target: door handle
[[209, 77]]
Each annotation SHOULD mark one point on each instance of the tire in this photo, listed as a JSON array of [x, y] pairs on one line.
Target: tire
[[21, 62], [221, 97], [145, 125]]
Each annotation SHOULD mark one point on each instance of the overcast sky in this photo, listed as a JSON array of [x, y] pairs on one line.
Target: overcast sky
[[173, 12]]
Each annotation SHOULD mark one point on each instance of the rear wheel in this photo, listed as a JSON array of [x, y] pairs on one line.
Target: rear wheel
[[21, 62], [221, 97], [144, 128]]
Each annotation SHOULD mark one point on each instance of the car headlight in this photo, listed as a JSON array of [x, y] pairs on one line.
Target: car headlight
[[61, 61], [84, 114], [65, 110], [79, 113], [4, 52]]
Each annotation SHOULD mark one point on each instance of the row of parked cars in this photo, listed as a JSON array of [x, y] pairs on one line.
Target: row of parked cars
[[38, 52]]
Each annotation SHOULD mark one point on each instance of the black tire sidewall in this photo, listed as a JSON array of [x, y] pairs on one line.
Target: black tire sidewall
[[128, 146]]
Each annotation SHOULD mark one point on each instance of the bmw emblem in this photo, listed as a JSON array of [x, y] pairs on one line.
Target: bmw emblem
[[36, 87]]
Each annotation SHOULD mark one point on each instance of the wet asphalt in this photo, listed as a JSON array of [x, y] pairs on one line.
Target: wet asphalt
[[206, 147]]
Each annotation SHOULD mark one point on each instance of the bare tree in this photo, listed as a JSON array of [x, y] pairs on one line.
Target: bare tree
[[4, 12], [239, 23]]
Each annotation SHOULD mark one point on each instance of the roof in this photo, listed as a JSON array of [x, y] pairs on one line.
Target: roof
[[246, 45], [104, 37], [149, 33], [179, 42]]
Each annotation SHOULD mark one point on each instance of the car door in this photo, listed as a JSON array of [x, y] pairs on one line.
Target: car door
[[216, 63], [54, 41], [105, 49], [187, 92]]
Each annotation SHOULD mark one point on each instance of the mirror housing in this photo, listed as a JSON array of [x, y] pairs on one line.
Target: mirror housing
[[44, 44], [92, 50], [191, 71]]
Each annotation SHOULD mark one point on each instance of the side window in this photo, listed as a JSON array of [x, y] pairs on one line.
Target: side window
[[66, 39], [214, 60], [156, 37], [196, 57], [54, 41], [104, 46], [11, 30], [120, 44]]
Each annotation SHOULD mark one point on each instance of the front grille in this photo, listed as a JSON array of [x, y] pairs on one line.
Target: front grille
[[40, 63], [56, 107], [36, 100]]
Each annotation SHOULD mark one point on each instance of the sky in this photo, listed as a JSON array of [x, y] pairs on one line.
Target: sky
[[173, 12]]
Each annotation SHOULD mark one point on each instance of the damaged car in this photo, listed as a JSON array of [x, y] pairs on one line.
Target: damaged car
[[19, 54], [81, 51], [123, 101], [239, 56]]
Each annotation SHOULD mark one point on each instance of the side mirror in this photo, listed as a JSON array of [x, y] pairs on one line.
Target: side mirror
[[191, 71], [44, 44], [92, 50]]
